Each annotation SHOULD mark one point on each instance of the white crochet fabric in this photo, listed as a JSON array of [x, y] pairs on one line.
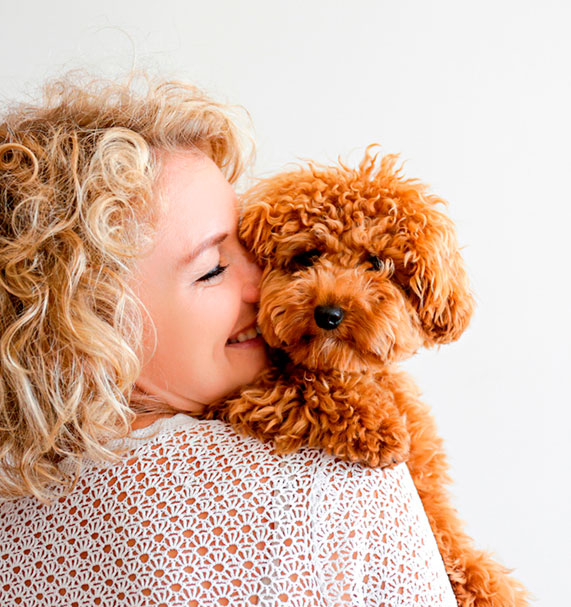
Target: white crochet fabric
[[200, 516]]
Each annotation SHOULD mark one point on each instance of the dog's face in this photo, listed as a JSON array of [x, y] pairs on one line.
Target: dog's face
[[359, 268]]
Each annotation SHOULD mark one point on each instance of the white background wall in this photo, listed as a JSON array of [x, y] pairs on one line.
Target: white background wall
[[476, 96]]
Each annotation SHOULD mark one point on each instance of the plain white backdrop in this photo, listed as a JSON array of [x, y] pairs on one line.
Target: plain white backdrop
[[476, 97]]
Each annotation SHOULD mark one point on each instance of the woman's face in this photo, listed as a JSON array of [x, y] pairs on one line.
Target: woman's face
[[200, 288]]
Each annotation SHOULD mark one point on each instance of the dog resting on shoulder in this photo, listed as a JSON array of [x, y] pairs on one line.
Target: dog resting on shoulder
[[360, 270]]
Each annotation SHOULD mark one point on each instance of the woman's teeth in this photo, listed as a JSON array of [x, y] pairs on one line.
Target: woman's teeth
[[245, 336]]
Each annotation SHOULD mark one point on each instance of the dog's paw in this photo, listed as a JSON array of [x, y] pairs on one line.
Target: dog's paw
[[389, 447], [390, 456], [386, 446]]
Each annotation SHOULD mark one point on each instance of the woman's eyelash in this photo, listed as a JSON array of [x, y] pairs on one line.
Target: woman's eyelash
[[212, 274]]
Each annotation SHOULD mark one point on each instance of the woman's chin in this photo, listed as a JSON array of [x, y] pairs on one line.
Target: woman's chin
[[247, 361]]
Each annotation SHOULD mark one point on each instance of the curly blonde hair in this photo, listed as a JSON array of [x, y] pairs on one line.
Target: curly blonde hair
[[77, 172]]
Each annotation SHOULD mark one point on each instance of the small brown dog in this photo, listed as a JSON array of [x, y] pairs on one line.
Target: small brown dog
[[360, 270]]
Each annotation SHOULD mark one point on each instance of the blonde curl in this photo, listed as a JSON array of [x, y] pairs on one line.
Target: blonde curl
[[77, 173]]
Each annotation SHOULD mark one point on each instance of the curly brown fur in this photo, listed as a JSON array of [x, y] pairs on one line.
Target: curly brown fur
[[360, 270]]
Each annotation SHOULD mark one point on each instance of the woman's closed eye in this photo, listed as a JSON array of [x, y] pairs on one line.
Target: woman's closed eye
[[210, 276]]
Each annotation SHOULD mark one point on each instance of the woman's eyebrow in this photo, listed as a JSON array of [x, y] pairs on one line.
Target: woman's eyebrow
[[209, 242]]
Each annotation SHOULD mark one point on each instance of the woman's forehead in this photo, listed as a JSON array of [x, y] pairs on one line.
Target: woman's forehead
[[196, 200]]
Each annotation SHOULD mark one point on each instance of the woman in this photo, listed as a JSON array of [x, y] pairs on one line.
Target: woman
[[127, 303]]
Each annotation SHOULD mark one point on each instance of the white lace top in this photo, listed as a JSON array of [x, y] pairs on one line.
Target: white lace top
[[200, 516]]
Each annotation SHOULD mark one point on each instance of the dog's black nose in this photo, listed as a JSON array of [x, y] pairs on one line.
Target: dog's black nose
[[328, 317]]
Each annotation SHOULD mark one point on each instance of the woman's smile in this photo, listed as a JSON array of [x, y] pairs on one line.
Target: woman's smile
[[246, 337], [200, 288]]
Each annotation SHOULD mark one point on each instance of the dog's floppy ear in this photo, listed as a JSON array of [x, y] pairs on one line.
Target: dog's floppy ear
[[437, 281], [424, 247]]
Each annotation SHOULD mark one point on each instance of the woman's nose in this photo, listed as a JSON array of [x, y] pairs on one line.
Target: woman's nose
[[252, 278]]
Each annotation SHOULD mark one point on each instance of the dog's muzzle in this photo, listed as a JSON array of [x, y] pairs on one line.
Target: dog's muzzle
[[328, 317]]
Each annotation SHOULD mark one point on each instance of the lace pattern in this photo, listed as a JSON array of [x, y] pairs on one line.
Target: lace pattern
[[200, 516]]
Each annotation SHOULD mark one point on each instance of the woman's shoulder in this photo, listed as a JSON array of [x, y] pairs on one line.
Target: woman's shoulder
[[203, 466], [184, 445], [183, 462], [221, 467], [195, 500]]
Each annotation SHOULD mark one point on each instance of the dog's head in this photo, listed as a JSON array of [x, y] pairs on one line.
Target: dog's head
[[359, 265]]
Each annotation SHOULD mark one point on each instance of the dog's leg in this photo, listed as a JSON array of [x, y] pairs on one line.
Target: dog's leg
[[272, 408], [477, 580], [357, 419]]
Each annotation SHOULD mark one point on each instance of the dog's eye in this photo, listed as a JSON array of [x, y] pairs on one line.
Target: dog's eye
[[306, 259], [386, 266], [376, 263]]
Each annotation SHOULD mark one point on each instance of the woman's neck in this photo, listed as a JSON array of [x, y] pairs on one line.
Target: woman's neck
[[146, 419]]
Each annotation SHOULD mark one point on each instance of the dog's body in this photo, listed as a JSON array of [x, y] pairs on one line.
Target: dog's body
[[360, 270]]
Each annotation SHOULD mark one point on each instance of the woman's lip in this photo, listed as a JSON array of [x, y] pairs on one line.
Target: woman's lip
[[256, 342]]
